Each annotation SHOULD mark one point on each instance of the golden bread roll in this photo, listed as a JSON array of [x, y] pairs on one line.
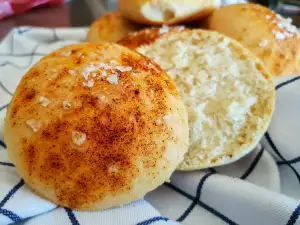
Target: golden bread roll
[[111, 27], [95, 126], [269, 36], [228, 94], [147, 36], [157, 12]]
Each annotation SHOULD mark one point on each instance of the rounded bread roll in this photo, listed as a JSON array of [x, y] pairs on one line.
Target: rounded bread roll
[[147, 36], [228, 94], [269, 36], [157, 12], [111, 27], [95, 126]]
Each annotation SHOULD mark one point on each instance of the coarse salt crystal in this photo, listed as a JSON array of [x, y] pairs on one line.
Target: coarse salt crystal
[[113, 79], [180, 28], [128, 68], [104, 66], [279, 35], [66, 105], [114, 62], [286, 23], [89, 83], [166, 117], [263, 43], [78, 137], [94, 74], [44, 101], [34, 124], [121, 68], [104, 74], [268, 17], [72, 72], [66, 53], [87, 71], [164, 29], [101, 65], [158, 122], [101, 98]]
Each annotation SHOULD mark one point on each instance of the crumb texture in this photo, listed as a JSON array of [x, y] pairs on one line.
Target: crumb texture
[[227, 93]]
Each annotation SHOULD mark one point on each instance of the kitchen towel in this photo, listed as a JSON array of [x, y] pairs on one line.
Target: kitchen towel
[[263, 188]]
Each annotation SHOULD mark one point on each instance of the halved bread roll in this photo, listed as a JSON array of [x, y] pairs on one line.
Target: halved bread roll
[[268, 35], [95, 126], [228, 94], [166, 11], [111, 27]]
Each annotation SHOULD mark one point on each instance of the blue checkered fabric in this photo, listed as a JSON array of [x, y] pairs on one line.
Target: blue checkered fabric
[[263, 188]]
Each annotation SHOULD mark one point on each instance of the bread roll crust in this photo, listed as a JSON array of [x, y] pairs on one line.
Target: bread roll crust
[[267, 35], [157, 12], [111, 27], [228, 93], [87, 140], [147, 36]]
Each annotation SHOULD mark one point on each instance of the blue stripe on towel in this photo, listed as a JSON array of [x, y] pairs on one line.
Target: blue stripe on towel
[[287, 82], [11, 192], [294, 216], [275, 149], [198, 194], [2, 144], [291, 161], [72, 217], [22, 31], [11, 215], [203, 205], [7, 164], [4, 88], [253, 164], [153, 220]]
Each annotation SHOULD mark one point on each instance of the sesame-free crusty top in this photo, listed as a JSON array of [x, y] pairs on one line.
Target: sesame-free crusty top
[[94, 126]]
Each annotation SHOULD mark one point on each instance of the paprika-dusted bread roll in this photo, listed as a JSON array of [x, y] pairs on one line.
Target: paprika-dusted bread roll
[[268, 35], [157, 12], [228, 94], [111, 27], [147, 36], [95, 126]]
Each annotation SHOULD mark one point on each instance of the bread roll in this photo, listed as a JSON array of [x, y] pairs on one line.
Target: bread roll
[[111, 27], [94, 126], [147, 36], [157, 12], [269, 36], [228, 94]]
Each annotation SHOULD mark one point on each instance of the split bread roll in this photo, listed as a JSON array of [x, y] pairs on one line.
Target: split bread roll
[[269, 36], [157, 12], [228, 94], [95, 126], [111, 27]]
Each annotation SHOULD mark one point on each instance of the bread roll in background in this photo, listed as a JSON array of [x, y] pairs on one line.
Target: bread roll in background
[[147, 36], [111, 27], [227, 91], [94, 126], [269, 36], [158, 12]]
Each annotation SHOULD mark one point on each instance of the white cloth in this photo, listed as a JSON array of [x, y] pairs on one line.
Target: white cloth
[[259, 189]]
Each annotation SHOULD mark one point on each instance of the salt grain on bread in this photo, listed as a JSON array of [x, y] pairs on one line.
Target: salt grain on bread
[[111, 27], [156, 12], [268, 35], [95, 147], [228, 94]]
